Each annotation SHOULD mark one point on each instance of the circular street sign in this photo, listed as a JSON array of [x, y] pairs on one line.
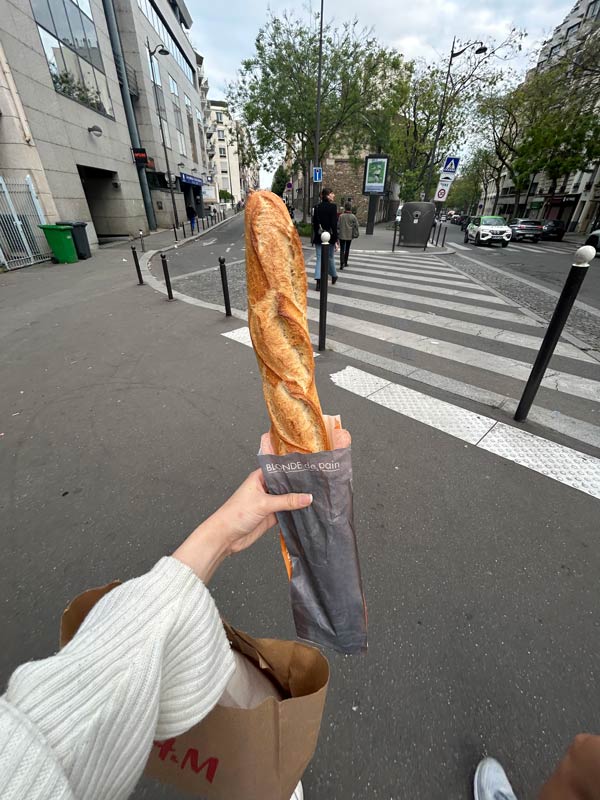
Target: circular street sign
[[441, 193]]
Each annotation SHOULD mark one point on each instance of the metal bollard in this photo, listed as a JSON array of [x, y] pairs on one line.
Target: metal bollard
[[394, 237], [223, 269], [183, 229], [203, 225], [561, 313], [137, 265], [175, 232], [444, 239], [437, 240], [165, 267], [142, 245], [325, 237]]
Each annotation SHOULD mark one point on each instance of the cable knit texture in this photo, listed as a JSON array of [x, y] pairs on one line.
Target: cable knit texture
[[150, 661]]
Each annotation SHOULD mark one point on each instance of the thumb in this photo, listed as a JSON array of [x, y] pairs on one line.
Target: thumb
[[287, 502]]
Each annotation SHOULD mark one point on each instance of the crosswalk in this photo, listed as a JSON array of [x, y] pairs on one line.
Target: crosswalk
[[420, 317], [559, 248]]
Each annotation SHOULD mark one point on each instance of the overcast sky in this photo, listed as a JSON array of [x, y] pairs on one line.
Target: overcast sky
[[224, 31]]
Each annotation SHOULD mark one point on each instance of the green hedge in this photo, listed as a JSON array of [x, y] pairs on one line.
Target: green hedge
[[304, 228]]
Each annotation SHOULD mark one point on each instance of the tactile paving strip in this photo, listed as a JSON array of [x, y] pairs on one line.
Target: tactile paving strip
[[549, 458]]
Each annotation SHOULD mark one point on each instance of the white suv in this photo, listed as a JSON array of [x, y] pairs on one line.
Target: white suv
[[486, 230]]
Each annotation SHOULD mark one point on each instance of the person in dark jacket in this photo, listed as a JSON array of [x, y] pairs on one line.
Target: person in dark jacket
[[191, 215], [325, 219], [347, 230]]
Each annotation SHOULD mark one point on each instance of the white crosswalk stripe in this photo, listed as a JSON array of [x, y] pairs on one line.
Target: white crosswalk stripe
[[401, 312]]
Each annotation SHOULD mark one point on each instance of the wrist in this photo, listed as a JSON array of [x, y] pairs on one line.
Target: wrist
[[204, 550]]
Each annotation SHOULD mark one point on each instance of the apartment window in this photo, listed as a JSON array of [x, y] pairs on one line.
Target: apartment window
[[221, 136], [219, 116], [173, 87], [166, 38], [554, 50], [593, 10], [70, 43], [222, 152], [573, 29], [190, 122]]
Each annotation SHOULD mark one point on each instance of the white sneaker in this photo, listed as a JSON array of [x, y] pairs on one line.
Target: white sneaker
[[298, 793], [491, 783]]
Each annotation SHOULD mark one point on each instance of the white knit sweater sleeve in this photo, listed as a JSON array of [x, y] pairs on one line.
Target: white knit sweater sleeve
[[149, 662]]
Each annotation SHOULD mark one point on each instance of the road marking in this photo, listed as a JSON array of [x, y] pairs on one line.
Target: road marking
[[399, 272], [458, 246], [409, 271], [555, 461], [529, 248], [227, 249], [242, 335], [449, 305], [205, 269], [486, 298], [460, 326], [209, 242], [559, 381], [527, 282]]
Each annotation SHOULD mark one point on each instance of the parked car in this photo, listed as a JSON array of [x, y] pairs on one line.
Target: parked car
[[487, 230], [464, 221], [443, 218], [455, 219], [594, 240], [553, 229], [526, 229]]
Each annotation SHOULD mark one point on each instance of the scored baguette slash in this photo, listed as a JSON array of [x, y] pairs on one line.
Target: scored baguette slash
[[277, 285]]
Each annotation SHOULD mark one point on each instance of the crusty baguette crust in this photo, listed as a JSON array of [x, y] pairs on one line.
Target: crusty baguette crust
[[276, 281]]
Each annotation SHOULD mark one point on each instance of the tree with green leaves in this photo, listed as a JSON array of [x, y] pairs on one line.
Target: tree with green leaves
[[276, 90], [280, 179]]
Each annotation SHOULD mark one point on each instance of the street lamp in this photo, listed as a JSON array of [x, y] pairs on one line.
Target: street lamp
[[480, 50], [162, 51]]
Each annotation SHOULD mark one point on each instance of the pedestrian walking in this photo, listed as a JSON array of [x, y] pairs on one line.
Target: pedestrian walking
[[347, 230], [149, 662], [191, 215], [325, 219], [214, 213]]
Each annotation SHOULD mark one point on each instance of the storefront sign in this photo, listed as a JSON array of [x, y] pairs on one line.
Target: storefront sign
[[570, 198], [185, 178], [140, 156], [375, 174]]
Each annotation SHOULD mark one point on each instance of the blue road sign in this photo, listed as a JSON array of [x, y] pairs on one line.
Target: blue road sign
[[317, 174], [451, 164]]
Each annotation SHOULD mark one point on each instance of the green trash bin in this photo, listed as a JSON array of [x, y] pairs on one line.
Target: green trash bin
[[60, 239]]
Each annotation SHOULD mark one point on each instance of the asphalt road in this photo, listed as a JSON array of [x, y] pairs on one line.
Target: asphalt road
[[126, 418], [546, 262]]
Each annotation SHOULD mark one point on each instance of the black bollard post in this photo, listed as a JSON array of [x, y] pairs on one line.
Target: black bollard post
[[323, 290], [165, 267], [203, 225], [183, 229], [175, 232], [142, 245], [561, 313], [223, 269], [137, 265], [439, 231], [444, 239], [394, 237]]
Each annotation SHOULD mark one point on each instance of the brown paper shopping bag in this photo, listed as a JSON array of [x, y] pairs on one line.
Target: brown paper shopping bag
[[241, 754]]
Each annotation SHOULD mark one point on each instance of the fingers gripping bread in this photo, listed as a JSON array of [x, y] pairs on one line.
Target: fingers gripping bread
[[276, 280]]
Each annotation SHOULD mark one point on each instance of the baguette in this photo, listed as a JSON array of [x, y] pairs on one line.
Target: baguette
[[276, 281]]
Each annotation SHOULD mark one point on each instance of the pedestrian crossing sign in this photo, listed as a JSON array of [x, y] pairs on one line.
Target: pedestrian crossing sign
[[451, 164]]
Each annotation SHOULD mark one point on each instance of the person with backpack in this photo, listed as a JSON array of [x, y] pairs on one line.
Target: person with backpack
[[325, 219], [347, 230]]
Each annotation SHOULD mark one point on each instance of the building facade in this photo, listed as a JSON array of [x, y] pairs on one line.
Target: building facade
[[576, 199], [79, 90], [233, 166]]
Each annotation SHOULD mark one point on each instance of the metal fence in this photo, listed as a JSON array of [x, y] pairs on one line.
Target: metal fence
[[21, 240]]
